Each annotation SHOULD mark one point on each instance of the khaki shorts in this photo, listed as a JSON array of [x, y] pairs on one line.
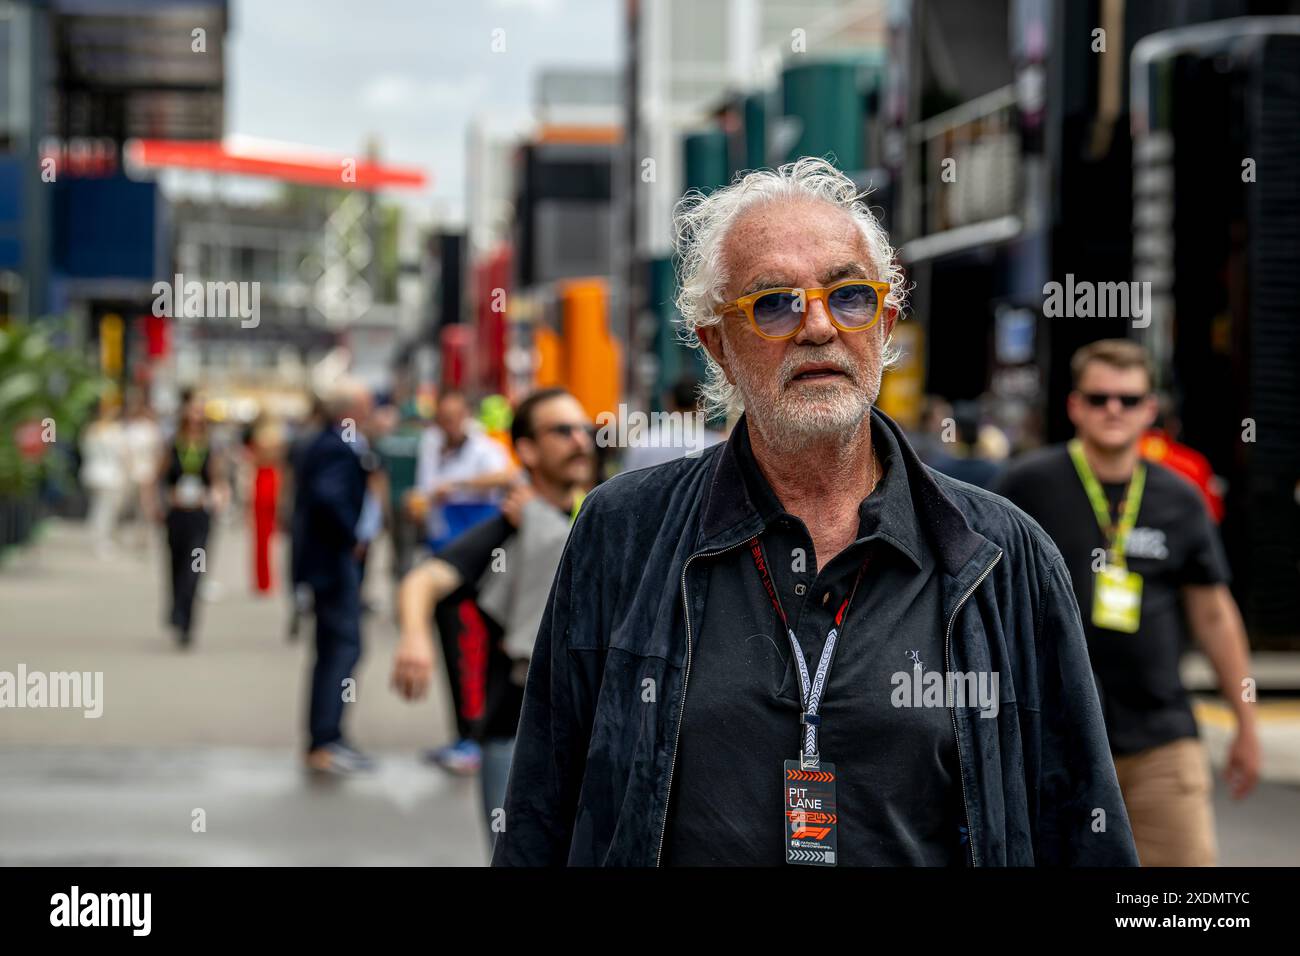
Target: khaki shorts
[[1167, 792]]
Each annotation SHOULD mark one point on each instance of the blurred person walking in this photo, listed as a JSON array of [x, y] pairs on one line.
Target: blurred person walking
[[266, 451], [506, 564], [144, 444], [193, 479], [1148, 573], [330, 488], [105, 474]]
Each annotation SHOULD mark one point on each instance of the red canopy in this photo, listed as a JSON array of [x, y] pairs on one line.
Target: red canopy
[[314, 169]]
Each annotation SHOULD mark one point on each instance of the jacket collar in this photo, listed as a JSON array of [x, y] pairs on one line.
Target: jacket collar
[[730, 515]]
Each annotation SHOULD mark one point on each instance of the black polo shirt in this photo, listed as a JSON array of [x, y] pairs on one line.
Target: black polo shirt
[[898, 792]]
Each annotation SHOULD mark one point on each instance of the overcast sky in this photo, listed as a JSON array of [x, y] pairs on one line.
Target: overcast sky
[[331, 73]]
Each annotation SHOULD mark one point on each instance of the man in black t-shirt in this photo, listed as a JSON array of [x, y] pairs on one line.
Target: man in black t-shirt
[[1149, 573], [496, 577]]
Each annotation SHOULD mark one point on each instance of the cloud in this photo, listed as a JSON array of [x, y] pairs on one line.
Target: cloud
[[402, 93]]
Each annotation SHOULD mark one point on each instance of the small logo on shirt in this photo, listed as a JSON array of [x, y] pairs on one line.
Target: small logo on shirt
[[1146, 543], [916, 660]]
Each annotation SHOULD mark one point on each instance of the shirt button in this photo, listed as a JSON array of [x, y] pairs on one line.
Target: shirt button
[[826, 597], [800, 589]]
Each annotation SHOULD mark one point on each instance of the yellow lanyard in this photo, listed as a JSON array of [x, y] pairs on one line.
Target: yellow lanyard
[[1116, 535]]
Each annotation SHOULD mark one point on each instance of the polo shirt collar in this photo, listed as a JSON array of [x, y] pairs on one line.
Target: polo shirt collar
[[887, 514]]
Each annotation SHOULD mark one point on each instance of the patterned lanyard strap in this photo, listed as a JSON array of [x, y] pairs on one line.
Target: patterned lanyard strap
[[810, 690]]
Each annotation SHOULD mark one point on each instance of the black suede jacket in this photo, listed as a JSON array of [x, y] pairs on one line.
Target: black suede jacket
[[593, 763]]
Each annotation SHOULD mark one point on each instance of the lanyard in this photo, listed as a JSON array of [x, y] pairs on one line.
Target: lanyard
[[1116, 535], [810, 691]]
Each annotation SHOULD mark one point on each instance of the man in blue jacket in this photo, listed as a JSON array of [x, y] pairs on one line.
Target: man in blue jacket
[[804, 646], [330, 484]]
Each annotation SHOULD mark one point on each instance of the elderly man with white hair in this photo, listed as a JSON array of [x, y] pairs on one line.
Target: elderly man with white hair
[[804, 646]]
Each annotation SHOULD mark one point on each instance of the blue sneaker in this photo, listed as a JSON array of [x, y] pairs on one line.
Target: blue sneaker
[[462, 758]]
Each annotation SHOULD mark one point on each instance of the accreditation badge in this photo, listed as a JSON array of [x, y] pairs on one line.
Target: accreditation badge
[[811, 816], [1117, 599]]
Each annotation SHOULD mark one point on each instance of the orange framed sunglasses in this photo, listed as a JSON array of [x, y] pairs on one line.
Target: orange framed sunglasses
[[854, 305]]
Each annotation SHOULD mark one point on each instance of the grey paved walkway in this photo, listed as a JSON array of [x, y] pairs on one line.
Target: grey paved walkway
[[217, 728]]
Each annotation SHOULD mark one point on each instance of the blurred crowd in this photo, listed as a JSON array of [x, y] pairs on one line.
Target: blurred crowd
[[475, 500]]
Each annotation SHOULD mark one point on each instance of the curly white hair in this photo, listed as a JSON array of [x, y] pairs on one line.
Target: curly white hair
[[701, 223]]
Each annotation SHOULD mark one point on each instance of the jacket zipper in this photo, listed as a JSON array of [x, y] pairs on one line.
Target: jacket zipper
[[672, 764], [952, 711]]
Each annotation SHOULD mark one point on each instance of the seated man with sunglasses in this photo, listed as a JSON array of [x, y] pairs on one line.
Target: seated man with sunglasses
[[1148, 572], [804, 646]]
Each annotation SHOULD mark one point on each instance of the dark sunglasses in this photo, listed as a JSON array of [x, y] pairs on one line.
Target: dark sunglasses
[[1102, 399]]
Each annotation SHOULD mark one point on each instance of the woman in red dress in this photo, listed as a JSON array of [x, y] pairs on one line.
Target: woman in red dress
[[266, 448]]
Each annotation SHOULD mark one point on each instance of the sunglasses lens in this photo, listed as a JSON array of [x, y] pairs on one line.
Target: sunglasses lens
[[778, 313], [855, 305], [1101, 400]]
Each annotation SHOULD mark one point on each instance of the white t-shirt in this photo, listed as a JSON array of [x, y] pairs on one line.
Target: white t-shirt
[[477, 455]]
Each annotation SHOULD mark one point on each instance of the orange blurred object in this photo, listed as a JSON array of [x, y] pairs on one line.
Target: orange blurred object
[[591, 358]]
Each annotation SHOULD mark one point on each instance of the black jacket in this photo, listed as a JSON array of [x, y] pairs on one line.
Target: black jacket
[[593, 762], [329, 489]]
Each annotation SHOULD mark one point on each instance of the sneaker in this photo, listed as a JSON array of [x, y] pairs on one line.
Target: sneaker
[[462, 758], [340, 760]]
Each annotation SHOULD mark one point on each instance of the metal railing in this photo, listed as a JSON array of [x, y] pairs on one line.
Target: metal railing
[[967, 160]]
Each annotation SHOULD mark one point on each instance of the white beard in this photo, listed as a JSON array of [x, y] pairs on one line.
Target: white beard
[[797, 417]]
